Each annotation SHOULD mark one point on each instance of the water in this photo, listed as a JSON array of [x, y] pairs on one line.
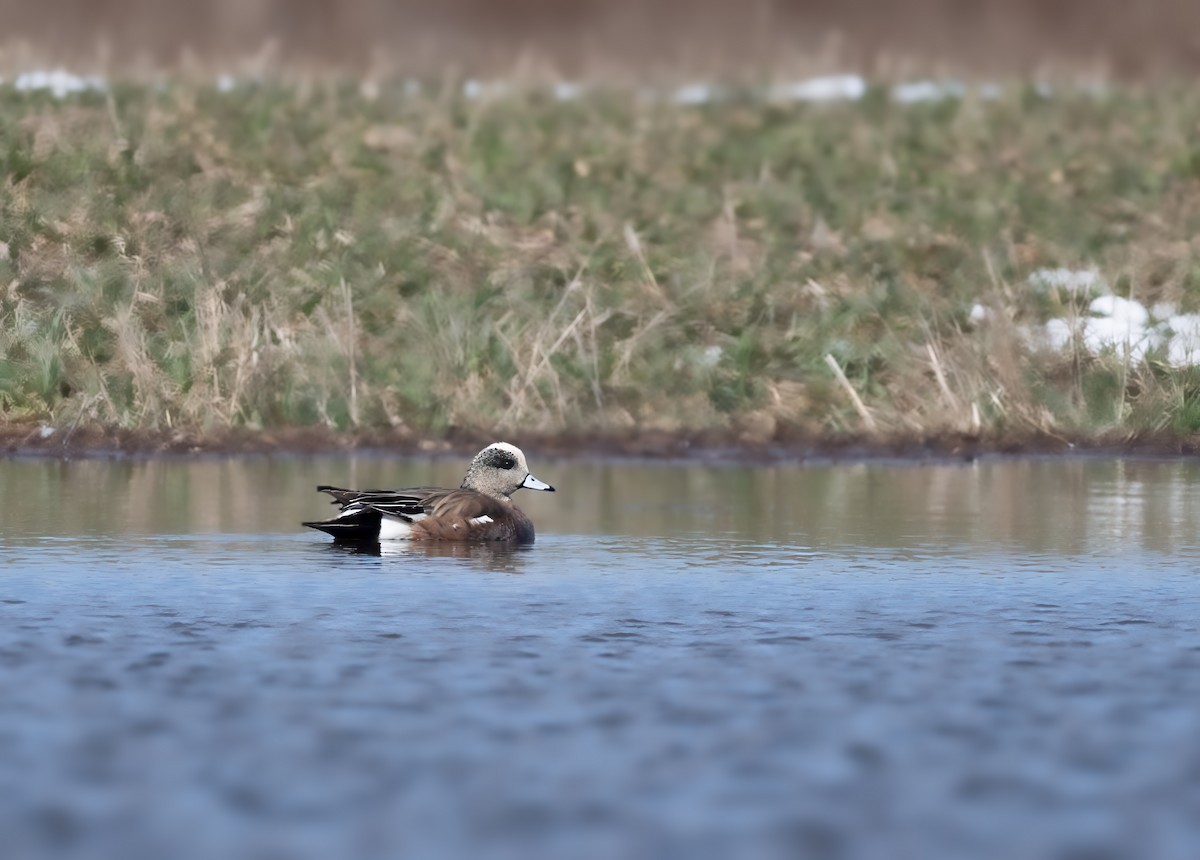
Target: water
[[999, 660]]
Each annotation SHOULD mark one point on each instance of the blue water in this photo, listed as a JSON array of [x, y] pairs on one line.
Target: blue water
[[661, 685]]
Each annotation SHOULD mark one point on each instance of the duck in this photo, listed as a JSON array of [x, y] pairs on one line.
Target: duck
[[481, 509]]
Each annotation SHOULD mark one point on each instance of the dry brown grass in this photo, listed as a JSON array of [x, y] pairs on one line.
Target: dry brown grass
[[306, 254]]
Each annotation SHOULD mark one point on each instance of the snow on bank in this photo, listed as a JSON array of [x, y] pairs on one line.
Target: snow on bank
[[828, 88], [694, 94], [1074, 281], [1183, 346], [567, 91], [927, 91], [1120, 324], [58, 82], [821, 89], [1109, 322]]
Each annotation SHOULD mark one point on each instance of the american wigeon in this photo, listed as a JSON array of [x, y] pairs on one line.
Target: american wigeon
[[480, 510]]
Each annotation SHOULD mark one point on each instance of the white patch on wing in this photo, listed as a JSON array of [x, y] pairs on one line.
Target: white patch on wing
[[482, 520], [394, 528]]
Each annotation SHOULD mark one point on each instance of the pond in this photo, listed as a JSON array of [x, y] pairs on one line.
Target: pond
[[998, 659]]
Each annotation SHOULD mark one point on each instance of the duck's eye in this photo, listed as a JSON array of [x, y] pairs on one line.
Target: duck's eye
[[503, 460]]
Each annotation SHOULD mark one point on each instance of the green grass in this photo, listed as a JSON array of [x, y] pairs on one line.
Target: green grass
[[289, 255]]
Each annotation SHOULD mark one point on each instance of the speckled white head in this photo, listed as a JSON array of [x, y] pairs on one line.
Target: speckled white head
[[500, 470]]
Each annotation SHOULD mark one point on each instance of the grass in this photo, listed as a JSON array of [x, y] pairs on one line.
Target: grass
[[295, 254]]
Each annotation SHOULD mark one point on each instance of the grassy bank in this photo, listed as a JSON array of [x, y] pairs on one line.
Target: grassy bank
[[183, 259]]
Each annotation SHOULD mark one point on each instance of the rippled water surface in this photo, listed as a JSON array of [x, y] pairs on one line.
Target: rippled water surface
[[997, 660]]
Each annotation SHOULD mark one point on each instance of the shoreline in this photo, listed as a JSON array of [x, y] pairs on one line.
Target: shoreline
[[25, 442]]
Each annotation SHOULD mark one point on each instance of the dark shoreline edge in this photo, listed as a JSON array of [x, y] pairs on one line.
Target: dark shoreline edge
[[35, 442]]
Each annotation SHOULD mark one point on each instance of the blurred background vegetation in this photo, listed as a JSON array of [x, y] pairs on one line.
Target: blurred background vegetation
[[393, 218], [994, 37]]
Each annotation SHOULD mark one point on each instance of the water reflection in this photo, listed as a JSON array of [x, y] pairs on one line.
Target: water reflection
[[493, 557], [1062, 506]]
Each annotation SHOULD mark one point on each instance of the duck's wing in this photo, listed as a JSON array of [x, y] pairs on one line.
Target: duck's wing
[[471, 515], [466, 505], [372, 515], [412, 503]]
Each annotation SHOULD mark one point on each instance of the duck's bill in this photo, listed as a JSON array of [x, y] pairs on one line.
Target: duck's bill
[[532, 483]]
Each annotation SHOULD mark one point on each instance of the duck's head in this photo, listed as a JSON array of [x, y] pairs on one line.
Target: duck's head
[[500, 470]]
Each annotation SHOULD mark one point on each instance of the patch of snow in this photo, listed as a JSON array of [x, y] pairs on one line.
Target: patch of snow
[[473, 89], [567, 91], [1071, 280], [927, 91], [1057, 334], [59, 82], [1162, 310], [1095, 335], [1127, 311], [1119, 324], [829, 88], [1183, 348], [693, 94], [1102, 333]]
